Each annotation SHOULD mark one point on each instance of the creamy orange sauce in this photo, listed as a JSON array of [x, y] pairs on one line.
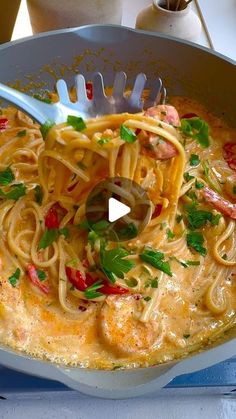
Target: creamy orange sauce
[[109, 333]]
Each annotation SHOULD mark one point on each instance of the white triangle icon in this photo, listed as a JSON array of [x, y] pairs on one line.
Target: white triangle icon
[[116, 210]]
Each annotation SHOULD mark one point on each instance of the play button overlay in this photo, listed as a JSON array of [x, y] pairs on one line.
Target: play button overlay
[[118, 209]]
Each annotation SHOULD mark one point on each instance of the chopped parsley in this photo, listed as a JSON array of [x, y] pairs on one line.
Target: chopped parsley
[[195, 240], [64, 232], [156, 259], [179, 218], [41, 275], [13, 279], [199, 185], [186, 336], [113, 263], [49, 236], [197, 129], [194, 160], [131, 282], [92, 291], [151, 282], [128, 232], [192, 262], [188, 177], [127, 134], [22, 133], [198, 218], [148, 298], [170, 234], [76, 122], [216, 219], [15, 193], [225, 257], [103, 141], [45, 128], [6, 177], [38, 194], [43, 99]]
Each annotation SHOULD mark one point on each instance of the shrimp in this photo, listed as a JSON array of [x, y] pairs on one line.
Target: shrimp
[[165, 113], [223, 205], [121, 330], [153, 145]]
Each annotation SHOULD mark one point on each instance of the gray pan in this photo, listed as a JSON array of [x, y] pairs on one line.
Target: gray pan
[[186, 69]]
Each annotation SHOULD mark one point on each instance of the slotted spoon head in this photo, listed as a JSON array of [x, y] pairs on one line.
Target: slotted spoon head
[[118, 102], [100, 104]]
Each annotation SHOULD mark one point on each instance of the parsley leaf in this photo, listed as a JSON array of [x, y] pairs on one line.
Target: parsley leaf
[[216, 219], [170, 234], [127, 134], [41, 275], [45, 128], [128, 232], [113, 263], [103, 141], [195, 240], [156, 259], [192, 262], [196, 128], [186, 336], [64, 231], [22, 133], [43, 99], [194, 160], [179, 218], [188, 177], [91, 292], [6, 177], [131, 282], [15, 193], [76, 122], [38, 194], [48, 237], [148, 298], [13, 279], [199, 185], [198, 218]]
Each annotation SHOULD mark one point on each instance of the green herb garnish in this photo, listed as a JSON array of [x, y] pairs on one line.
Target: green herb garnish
[[193, 262], [147, 298], [225, 257], [64, 232], [216, 219], [15, 193], [6, 177], [43, 99], [41, 275], [45, 128], [127, 134], [76, 122], [194, 160], [198, 218], [197, 129], [156, 259], [186, 336], [131, 282], [195, 241], [22, 133], [188, 177], [211, 181], [38, 194], [113, 263], [170, 234], [128, 232], [49, 236], [13, 279], [199, 185], [103, 141], [179, 218], [91, 292]]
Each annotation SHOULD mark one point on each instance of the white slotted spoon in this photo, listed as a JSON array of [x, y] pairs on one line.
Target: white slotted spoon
[[100, 104]]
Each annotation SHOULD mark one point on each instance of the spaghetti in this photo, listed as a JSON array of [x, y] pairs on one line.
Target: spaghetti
[[81, 299]]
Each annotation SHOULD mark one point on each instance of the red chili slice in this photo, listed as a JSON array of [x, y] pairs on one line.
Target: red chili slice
[[33, 276], [89, 90], [76, 278], [108, 289], [3, 123], [51, 219], [229, 153], [189, 115], [157, 211]]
